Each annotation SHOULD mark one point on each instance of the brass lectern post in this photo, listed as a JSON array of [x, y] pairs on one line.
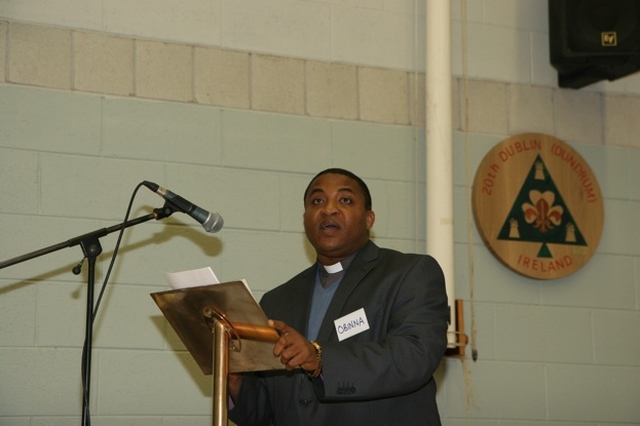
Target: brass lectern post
[[225, 330], [220, 372]]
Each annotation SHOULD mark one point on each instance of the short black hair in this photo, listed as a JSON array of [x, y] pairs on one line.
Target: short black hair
[[347, 173]]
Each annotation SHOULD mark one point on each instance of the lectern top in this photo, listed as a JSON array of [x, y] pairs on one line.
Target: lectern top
[[191, 312]]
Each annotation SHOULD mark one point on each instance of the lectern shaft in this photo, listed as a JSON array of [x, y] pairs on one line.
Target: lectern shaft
[[220, 372]]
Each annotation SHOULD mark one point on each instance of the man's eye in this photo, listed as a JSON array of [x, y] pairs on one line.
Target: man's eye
[[316, 201], [346, 200]]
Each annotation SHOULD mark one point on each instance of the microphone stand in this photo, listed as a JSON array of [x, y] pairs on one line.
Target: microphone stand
[[91, 249]]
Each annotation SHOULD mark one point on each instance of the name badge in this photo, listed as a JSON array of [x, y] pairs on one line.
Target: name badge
[[351, 324]]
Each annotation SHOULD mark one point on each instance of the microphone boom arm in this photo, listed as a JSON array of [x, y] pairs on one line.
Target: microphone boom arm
[[159, 213], [91, 248]]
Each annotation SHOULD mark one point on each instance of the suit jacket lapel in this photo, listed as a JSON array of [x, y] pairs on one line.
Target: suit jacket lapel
[[359, 268], [300, 302]]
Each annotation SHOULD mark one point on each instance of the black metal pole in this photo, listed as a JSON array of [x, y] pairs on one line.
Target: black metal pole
[[92, 249]]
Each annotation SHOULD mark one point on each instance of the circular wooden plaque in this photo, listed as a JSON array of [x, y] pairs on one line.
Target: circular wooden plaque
[[538, 206]]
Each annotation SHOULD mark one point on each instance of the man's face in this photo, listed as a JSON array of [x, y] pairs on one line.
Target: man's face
[[336, 221]]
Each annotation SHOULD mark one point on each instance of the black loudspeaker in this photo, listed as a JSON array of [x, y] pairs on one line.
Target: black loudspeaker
[[593, 40]]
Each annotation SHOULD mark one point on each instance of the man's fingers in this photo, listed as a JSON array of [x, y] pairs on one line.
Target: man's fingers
[[280, 326], [291, 347], [283, 342], [291, 362]]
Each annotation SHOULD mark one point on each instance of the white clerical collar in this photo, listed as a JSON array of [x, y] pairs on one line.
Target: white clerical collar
[[332, 269], [340, 266]]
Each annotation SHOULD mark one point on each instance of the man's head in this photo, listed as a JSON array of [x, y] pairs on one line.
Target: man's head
[[337, 214], [347, 173]]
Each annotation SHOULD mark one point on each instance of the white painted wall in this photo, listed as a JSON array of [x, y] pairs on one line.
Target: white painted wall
[[98, 95]]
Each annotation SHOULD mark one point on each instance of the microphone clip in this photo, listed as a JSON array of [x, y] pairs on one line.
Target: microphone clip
[[165, 211]]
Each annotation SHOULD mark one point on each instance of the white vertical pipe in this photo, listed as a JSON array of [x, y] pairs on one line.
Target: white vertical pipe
[[439, 161]]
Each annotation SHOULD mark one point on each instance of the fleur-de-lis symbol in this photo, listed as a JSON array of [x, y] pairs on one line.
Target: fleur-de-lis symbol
[[541, 212]]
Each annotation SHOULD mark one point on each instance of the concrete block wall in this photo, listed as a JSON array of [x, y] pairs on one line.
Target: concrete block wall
[[235, 105], [210, 76]]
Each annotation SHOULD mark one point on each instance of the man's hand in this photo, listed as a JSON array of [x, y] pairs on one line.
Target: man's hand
[[234, 381], [294, 350]]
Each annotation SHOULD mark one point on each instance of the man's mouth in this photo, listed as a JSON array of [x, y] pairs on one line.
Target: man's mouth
[[329, 226]]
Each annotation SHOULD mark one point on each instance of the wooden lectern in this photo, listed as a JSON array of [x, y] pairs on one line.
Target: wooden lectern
[[225, 330]]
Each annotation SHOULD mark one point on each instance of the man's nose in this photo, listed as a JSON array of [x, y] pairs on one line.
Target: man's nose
[[330, 207]]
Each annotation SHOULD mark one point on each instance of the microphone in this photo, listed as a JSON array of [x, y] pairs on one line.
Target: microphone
[[211, 222]]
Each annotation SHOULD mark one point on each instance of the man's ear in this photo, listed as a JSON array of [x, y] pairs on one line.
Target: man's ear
[[370, 219]]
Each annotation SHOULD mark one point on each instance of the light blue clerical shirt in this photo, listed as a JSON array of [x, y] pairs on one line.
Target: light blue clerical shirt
[[327, 280]]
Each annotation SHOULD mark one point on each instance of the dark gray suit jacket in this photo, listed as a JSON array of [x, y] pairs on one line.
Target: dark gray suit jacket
[[382, 376]]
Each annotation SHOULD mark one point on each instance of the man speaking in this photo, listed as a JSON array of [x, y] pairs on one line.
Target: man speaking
[[361, 331]]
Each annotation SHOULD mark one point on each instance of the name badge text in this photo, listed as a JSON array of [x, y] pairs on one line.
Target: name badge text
[[351, 324]]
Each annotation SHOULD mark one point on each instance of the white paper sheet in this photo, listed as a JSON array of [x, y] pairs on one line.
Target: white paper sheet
[[191, 278], [196, 278]]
